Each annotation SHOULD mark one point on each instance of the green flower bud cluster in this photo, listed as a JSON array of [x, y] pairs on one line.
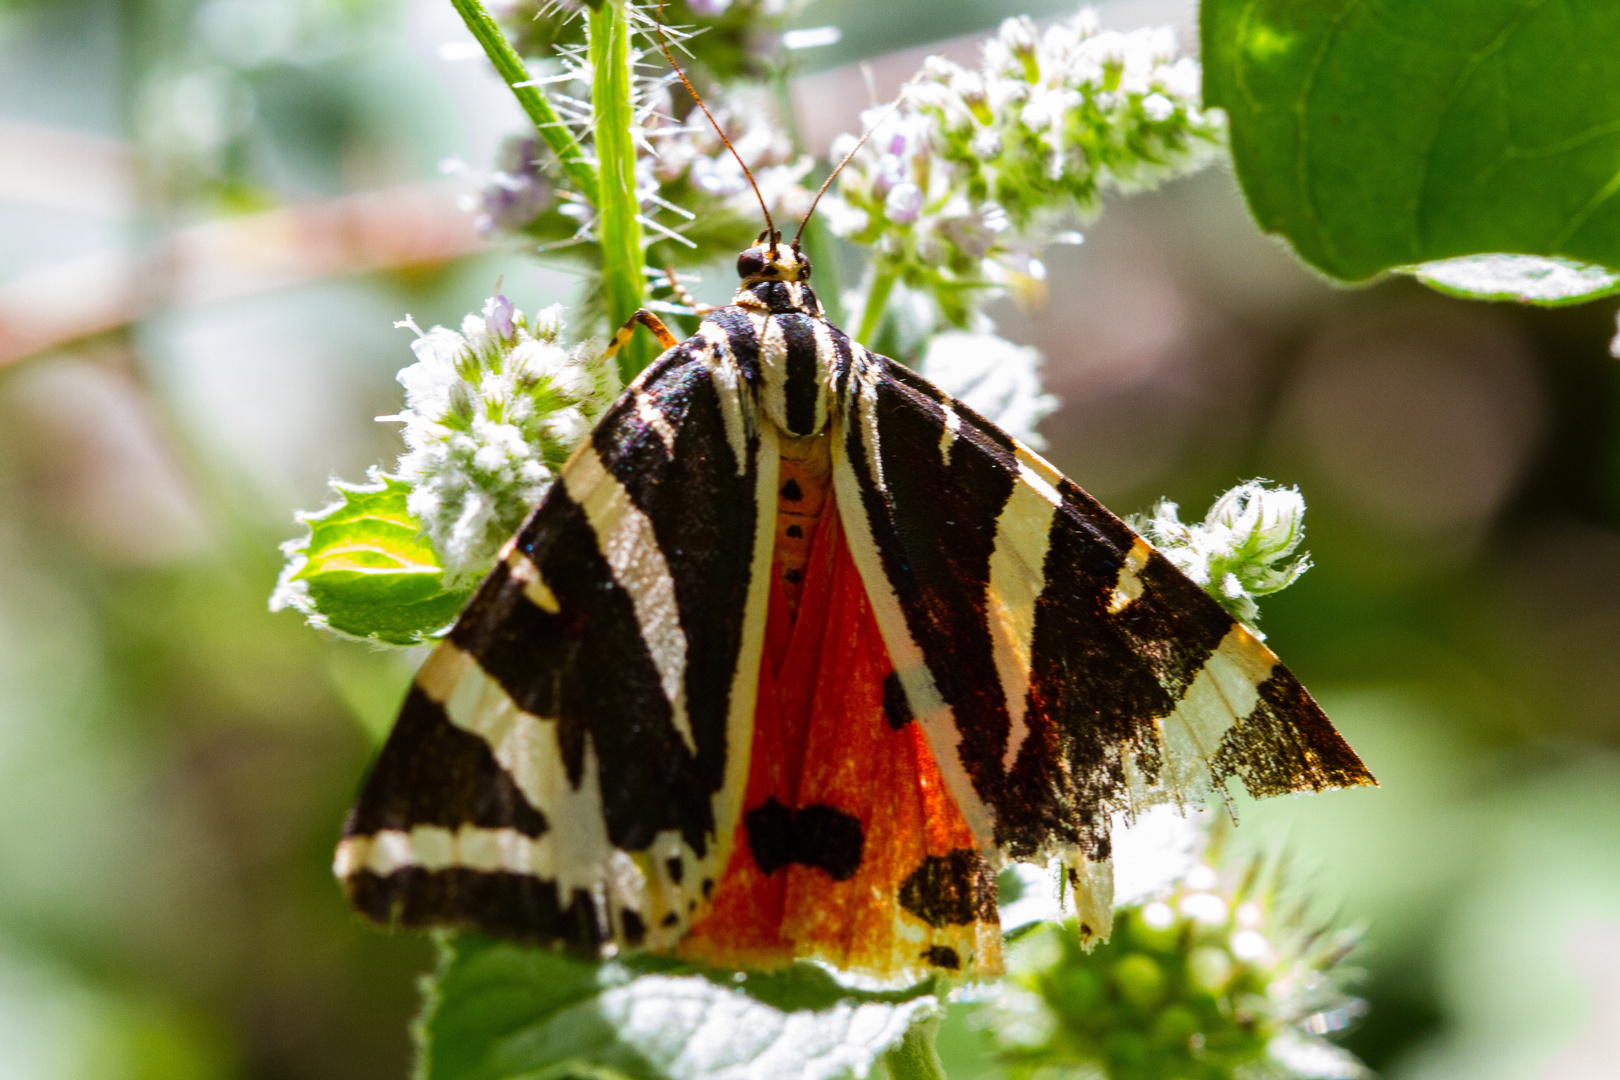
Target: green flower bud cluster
[[978, 169], [1209, 982], [1243, 548], [491, 413]]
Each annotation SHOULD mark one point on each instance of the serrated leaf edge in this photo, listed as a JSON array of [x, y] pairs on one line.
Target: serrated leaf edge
[[292, 592]]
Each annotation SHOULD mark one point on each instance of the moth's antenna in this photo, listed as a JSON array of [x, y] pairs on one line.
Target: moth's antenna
[[827, 183], [663, 45]]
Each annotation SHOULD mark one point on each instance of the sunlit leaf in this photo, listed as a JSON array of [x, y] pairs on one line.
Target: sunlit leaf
[[1375, 136], [1528, 279], [497, 1011], [365, 570]]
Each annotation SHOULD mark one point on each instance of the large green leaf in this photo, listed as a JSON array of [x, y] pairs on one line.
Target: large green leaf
[[498, 1011], [365, 569], [1377, 134]]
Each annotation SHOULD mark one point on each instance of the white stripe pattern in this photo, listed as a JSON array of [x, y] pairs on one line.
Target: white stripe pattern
[[928, 706], [953, 424], [728, 385], [1017, 579], [1223, 693], [626, 539], [1128, 585], [522, 570]]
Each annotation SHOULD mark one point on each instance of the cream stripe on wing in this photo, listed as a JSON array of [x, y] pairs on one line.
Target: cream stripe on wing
[[1224, 692], [433, 847], [522, 570], [1017, 578], [575, 848], [953, 424], [626, 539], [722, 367], [728, 801], [648, 413], [1128, 585], [927, 704], [826, 369], [575, 851]]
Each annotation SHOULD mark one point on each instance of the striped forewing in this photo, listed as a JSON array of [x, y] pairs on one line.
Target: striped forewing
[[1064, 669], [583, 732]]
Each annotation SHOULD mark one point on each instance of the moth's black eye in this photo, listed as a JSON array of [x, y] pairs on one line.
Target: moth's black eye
[[750, 263], [804, 266]]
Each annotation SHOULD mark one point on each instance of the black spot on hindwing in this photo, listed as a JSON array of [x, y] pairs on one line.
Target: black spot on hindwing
[[953, 889], [818, 836]]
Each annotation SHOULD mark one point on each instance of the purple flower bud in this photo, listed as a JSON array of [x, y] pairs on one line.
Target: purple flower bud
[[903, 203], [498, 317]]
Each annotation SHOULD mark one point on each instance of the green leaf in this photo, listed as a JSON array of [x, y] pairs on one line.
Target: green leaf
[[365, 570], [497, 1010], [1382, 135]]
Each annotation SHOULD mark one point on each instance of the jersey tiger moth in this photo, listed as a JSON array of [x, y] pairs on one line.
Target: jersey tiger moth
[[795, 655]]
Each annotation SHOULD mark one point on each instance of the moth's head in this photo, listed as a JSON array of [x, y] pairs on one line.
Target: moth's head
[[767, 261]]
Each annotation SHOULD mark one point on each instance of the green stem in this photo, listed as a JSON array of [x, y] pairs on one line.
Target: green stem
[[876, 297], [915, 1057], [510, 67], [619, 230]]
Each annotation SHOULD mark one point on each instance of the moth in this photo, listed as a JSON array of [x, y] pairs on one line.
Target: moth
[[796, 654]]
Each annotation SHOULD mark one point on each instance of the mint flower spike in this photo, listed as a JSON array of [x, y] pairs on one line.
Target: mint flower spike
[[1244, 548], [959, 189], [996, 378], [491, 413]]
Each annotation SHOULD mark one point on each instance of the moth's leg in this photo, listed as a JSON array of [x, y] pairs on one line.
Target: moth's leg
[[682, 296], [651, 322]]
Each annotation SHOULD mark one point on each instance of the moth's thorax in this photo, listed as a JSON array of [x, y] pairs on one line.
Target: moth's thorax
[[798, 349], [798, 368]]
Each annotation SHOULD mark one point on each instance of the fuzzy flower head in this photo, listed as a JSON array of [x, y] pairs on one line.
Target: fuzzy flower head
[[996, 378], [1208, 979], [690, 166], [959, 187], [1245, 546], [491, 413]]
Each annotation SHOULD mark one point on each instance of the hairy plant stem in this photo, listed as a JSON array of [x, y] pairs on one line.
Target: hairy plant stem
[[872, 310], [915, 1057], [546, 121], [617, 207]]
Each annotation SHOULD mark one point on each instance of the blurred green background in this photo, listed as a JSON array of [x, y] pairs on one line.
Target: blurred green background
[[210, 215]]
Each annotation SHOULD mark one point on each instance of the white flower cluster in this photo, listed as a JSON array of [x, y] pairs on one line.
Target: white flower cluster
[[690, 165], [491, 413], [1244, 547], [978, 169], [997, 379]]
